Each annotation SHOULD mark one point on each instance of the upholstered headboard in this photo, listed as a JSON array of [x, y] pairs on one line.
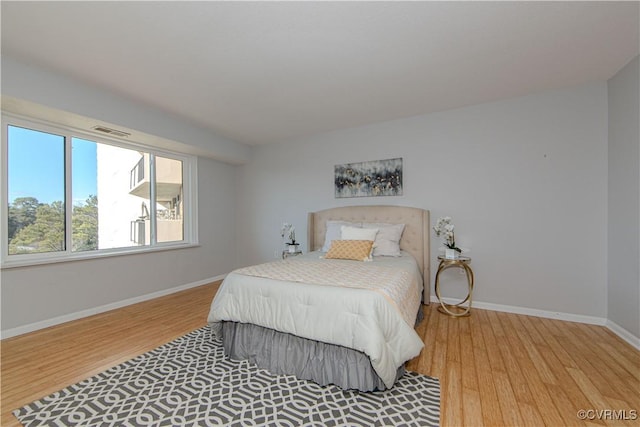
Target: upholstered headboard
[[415, 238]]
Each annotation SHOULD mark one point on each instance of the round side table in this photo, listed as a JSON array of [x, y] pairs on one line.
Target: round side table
[[459, 309]]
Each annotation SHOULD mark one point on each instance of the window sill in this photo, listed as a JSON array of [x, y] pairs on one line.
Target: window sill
[[84, 256]]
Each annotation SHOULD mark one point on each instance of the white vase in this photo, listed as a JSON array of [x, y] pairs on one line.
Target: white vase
[[293, 248], [450, 253]]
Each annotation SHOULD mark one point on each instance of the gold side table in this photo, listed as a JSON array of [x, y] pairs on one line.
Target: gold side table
[[459, 309]]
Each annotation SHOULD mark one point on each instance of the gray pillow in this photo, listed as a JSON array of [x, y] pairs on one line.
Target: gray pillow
[[387, 241], [334, 232]]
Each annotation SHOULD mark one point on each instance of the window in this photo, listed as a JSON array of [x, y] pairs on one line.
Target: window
[[73, 195], [36, 190]]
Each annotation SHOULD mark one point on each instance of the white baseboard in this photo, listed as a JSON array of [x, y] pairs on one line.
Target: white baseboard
[[569, 317], [20, 330], [623, 333]]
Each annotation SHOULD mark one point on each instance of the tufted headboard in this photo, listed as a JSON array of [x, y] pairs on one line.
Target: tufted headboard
[[415, 238]]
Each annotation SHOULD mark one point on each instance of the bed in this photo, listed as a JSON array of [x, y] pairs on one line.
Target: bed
[[290, 317]]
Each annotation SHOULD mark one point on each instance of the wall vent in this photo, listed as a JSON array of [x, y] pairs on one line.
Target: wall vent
[[110, 131]]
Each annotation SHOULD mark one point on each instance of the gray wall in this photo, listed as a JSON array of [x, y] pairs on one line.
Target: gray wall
[[524, 179], [623, 294], [40, 293]]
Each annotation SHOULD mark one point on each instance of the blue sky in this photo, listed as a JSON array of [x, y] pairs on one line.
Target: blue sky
[[36, 166], [84, 174]]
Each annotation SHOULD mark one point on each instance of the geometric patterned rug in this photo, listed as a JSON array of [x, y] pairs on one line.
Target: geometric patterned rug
[[189, 382]]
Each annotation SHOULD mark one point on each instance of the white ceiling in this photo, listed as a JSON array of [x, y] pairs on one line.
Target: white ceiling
[[260, 72]]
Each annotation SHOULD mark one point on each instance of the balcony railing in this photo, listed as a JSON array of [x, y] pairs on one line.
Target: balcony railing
[[169, 215], [169, 228], [137, 234], [137, 174]]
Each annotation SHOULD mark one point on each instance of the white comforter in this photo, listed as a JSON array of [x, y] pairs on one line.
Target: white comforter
[[363, 319]]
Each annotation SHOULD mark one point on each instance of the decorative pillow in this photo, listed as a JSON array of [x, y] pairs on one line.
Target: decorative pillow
[[353, 233], [356, 250], [334, 232], [387, 242]]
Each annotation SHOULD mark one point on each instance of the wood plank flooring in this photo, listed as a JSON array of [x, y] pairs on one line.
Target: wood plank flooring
[[495, 369], [502, 369]]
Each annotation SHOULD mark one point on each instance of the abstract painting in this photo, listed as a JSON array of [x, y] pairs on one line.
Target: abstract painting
[[366, 179]]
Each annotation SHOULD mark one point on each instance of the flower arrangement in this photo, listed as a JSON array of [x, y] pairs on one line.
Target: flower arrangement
[[444, 228], [290, 231]]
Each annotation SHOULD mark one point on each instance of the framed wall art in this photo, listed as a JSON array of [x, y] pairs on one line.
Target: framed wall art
[[367, 179]]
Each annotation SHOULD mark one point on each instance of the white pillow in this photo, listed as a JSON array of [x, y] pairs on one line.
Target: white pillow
[[334, 232], [387, 241], [353, 233]]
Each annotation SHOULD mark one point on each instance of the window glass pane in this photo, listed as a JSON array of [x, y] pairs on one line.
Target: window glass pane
[[36, 217], [169, 200], [123, 196], [84, 218]]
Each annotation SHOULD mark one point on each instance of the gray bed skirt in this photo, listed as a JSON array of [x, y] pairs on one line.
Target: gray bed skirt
[[285, 354]]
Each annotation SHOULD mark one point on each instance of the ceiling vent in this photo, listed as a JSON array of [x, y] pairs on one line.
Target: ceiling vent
[[110, 131]]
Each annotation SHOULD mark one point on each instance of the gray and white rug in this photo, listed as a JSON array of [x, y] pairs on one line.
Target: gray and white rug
[[189, 382]]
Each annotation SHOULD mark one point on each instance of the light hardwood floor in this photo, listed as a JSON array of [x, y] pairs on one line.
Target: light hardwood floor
[[494, 368]]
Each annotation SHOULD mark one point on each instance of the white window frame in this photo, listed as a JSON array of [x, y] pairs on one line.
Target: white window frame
[[189, 185]]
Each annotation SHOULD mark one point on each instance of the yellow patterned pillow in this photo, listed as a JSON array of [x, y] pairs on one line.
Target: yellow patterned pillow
[[357, 250]]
